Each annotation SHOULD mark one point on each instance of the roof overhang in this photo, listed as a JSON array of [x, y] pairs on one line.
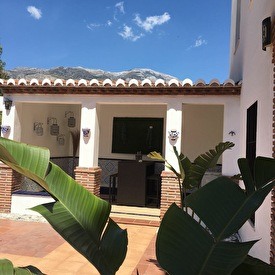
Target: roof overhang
[[122, 88]]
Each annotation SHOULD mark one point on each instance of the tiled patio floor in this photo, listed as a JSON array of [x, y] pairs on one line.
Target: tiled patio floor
[[36, 243]]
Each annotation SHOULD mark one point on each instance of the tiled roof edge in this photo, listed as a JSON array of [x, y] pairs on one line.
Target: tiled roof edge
[[116, 83]]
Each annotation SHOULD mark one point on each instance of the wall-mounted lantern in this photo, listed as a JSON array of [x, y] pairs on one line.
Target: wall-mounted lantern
[[7, 103], [54, 128], [266, 33], [71, 119], [86, 132], [61, 139], [38, 128]]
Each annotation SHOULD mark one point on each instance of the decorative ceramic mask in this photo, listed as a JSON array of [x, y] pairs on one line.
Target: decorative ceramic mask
[[173, 135]]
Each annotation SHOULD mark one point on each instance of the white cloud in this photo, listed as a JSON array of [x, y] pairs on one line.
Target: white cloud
[[34, 12], [120, 7], [93, 26], [128, 34], [109, 23], [150, 22], [199, 42]]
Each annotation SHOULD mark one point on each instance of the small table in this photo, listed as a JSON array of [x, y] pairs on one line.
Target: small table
[[132, 177]]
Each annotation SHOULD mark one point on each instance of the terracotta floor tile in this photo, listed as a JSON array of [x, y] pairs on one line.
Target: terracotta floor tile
[[29, 243]]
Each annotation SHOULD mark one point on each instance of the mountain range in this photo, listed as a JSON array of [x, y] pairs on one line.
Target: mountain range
[[84, 73]]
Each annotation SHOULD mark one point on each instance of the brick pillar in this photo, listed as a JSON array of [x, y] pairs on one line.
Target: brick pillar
[[10, 181], [89, 178], [272, 231], [170, 191]]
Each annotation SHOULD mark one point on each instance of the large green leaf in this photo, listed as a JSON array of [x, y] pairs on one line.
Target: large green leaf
[[254, 266], [30, 161], [77, 215], [222, 207], [7, 268], [205, 161], [184, 247]]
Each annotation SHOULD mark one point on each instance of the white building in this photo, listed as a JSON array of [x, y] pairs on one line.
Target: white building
[[255, 67], [203, 114]]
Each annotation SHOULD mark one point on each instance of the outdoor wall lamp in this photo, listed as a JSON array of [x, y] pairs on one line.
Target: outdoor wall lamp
[[86, 132], [8, 103], [38, 128], [71, 119], [232, 133], [54, 128], [5, 129], [61, 139]]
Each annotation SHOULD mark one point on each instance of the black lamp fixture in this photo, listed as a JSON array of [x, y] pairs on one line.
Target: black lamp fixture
[[71, 119], [8, 103], [38, 128], [54, 128], [266, 33], [61, 139]]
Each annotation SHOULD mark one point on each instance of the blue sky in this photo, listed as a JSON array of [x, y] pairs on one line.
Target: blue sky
[[183, 38]]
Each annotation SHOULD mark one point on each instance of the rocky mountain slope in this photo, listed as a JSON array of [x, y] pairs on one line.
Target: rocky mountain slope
[[79, 73]]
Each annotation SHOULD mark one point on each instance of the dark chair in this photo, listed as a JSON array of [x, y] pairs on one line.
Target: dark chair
[[153, 190], [113, 180]]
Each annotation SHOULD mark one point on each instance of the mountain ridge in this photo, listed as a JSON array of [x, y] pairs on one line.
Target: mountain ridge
[[85, 73]]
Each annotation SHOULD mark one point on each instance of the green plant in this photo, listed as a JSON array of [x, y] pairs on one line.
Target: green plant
[[7, 268], [76, 214], [194, 245], [190, 174]]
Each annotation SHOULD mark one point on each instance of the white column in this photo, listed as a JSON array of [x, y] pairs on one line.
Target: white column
[[173, 126], [88, 149], [232, 133]]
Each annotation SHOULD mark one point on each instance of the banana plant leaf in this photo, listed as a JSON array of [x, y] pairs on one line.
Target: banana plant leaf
[[77, 215], [186, 246], [183, 246], [254, 266], [191, 174], [196, 171], [7, 268]]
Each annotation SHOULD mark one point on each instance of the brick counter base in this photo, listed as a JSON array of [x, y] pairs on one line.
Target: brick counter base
[[89, 178], [170, 191], [10, 181]]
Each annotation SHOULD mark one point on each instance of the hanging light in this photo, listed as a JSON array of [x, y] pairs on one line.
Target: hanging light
[[38, 128], [71, 119], [54, 128], [7, 103]]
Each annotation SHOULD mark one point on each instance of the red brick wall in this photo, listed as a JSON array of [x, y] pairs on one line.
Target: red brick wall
[[169, 191], [10, 181], [89, 178], [272, 233]]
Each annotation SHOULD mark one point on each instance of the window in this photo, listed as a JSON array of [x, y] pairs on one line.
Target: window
[[251, 133], [251, 138]]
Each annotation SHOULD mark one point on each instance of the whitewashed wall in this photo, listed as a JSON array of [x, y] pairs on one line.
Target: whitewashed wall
[[253, 65], [202, 128]]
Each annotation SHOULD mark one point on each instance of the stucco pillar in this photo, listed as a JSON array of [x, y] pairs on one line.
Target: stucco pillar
[[88, 173], [88, 149], [173, 124], [169, 185], [10, 181]]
